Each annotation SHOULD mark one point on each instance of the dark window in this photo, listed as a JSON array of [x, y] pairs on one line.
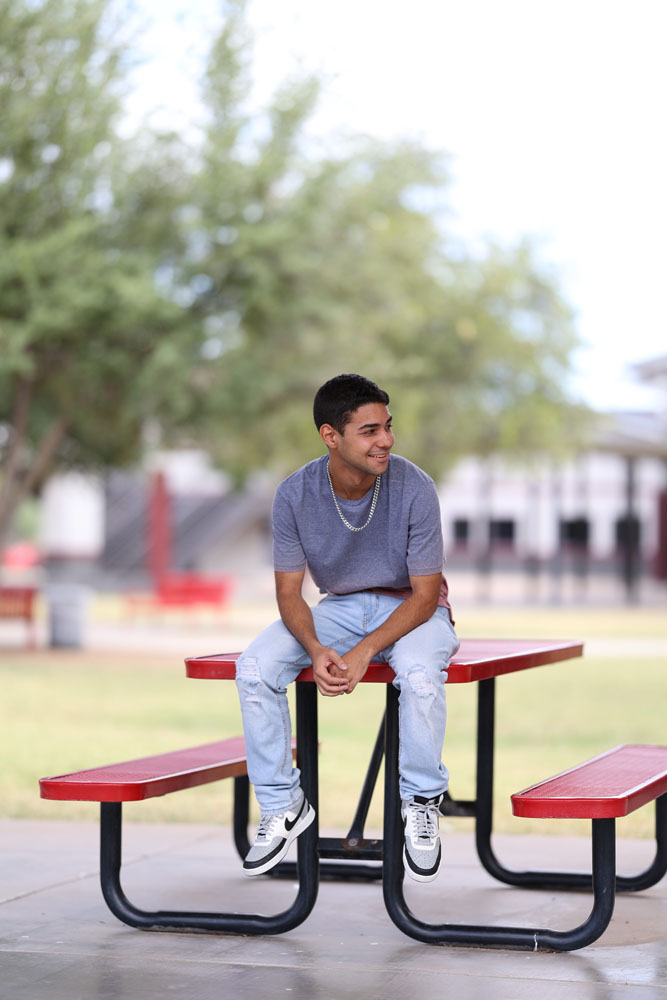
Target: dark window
[[628, 533], [461, 531], [501, 531], [575, 532]]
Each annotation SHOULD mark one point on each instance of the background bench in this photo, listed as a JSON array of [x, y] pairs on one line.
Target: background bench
[[184, 591], [18, 603]]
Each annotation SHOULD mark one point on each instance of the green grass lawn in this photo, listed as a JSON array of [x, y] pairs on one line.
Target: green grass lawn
[[63, 711]]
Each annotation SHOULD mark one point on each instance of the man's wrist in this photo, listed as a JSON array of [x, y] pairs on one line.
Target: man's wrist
[[367, 648], [312, 647]]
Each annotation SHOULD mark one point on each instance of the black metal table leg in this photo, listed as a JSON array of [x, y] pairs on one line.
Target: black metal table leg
[[658, 868], [356, 831], [241, 814], [355, 849], [532, 938], [484, 821], [307, 866], [343, 859]]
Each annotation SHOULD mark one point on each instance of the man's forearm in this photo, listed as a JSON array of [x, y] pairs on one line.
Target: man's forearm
[[298, 618]]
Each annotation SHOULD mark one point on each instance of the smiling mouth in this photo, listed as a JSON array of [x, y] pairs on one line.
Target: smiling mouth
[[379, 454]]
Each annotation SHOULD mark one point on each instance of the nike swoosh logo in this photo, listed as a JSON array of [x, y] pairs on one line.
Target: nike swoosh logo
[[289, 824]]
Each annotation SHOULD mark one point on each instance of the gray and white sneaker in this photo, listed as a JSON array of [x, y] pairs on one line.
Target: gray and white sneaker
[[274, 835], [422, 853]]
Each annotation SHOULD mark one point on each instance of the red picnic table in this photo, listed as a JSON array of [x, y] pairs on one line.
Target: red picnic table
[[609, 786], [479, 661]]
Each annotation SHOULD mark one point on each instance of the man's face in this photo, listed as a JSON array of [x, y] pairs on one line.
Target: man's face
[[366, 440]]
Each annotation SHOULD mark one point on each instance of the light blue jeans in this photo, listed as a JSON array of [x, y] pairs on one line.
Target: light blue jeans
[[419, 659]]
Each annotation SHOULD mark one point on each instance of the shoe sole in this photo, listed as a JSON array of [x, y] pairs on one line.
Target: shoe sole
[[298, 829], [417, 876]]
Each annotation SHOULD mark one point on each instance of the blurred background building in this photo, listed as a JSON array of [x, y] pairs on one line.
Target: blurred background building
[[592, 528]]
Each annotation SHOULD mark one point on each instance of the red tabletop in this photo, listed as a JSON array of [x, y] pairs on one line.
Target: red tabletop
[[477, 660]]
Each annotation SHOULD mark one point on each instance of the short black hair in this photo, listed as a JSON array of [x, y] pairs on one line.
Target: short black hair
[[337, 399]]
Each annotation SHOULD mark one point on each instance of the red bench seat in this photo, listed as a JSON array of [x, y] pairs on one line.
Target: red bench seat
[[611, 785], [146, 777]]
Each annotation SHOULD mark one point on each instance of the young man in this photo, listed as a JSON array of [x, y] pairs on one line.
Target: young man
[[366, 523]]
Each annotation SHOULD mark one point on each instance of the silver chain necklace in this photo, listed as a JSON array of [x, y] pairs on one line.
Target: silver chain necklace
[[374, 501]]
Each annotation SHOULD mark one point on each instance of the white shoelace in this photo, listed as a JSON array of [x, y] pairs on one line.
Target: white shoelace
[[424, 823], [265, 827]]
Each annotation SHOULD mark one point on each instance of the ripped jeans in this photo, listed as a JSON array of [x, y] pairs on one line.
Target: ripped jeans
[[419, 659]]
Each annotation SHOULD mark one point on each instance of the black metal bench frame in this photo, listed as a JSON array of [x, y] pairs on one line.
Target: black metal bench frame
[[355, 857]]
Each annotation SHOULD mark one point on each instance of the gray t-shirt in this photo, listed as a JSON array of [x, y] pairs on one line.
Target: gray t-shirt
[[404, 537]]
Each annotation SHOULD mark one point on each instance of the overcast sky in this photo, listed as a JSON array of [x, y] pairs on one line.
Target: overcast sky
[[552, 112]]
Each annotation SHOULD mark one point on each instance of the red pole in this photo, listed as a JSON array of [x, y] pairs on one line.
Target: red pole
[[159, 530]]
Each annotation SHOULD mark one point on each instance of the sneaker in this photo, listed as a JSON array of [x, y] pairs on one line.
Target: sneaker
[[274, 835], [422, 853]]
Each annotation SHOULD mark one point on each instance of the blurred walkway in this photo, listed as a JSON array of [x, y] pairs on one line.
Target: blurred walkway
[[110, 627], [59, 941], [179, 639]]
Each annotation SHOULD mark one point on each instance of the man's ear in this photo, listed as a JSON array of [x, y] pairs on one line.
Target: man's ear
[[328, 435]]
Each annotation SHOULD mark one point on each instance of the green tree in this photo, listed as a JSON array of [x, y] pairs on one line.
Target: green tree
[[209, 291], [308, 266], [87, 339]]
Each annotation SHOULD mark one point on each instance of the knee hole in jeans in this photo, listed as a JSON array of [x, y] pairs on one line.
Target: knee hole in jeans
[[248, 678], [421, 683]]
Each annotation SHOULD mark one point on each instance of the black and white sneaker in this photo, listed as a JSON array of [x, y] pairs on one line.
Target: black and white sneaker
[[422, 853], [274, 835]]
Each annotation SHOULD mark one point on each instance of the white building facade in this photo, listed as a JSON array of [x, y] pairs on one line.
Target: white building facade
[[542, 511]]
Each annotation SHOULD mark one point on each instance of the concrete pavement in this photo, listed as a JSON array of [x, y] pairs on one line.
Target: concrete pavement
[[59, 941]]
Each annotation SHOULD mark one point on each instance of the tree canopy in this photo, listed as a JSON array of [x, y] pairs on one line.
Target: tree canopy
[[208, 291], [85, 223]]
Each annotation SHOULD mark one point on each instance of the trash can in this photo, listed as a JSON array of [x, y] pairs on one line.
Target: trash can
[[67, 611]]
